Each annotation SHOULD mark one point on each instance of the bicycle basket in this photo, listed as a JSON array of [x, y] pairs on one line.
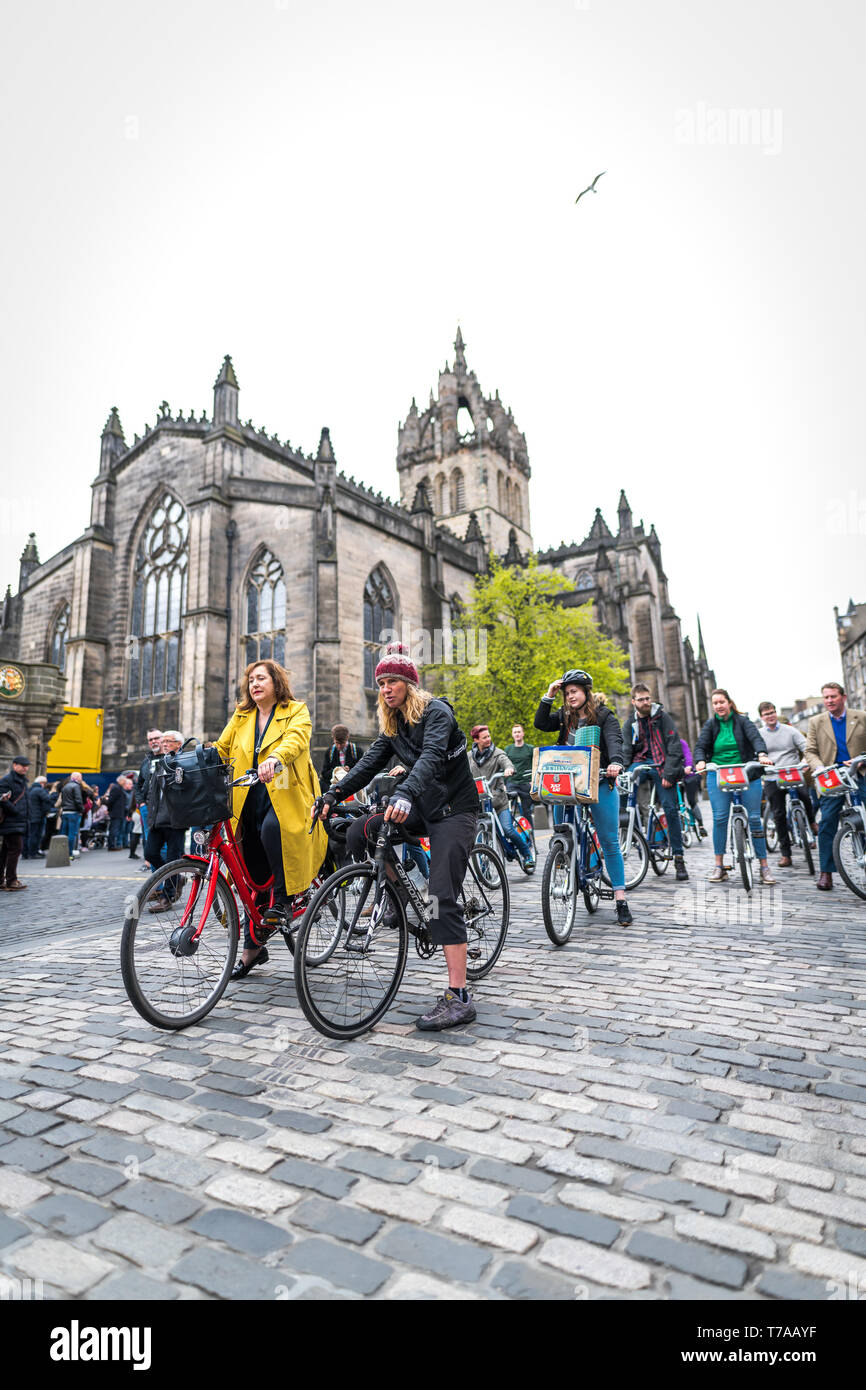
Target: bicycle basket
[[733, 778], [565, 774], [790, 776], [829, 783], [195, 788]]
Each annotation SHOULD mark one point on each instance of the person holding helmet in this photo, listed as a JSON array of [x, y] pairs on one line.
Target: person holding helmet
[[580, 708], [437, 798]]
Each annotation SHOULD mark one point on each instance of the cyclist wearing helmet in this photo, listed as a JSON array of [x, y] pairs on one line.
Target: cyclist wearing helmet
[[579, 708]]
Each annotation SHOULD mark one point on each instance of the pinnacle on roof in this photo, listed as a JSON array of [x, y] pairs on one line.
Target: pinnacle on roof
[[227, 374], [325, 452], [459, 349], [422, 501], [113, 425], [702, 652], [30, 553], [473, 530], [599, 531]]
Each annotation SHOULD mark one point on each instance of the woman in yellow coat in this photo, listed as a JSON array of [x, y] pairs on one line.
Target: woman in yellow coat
[[271, 730]]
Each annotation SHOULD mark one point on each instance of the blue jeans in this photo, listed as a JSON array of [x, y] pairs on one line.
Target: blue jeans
[[70, 824], [721, 803], [516, 837], [670, 803], [828, 824], [605, 818], [115, 833], [416, 855]]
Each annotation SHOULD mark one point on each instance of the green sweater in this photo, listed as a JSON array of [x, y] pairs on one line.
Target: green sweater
[[521, 760], [726, 752]]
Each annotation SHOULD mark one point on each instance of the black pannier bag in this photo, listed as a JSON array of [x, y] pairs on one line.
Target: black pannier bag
[[190, 789]]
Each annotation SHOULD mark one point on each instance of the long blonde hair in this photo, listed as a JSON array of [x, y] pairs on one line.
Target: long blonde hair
[[412, 710]]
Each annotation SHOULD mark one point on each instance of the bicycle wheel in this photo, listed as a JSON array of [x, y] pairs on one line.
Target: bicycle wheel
[[687, 833], [558, 897], [770, 832], [742, 854], [659, 846], [487, 909], [173, 977], [635, 858], [849, 853], [486, 840], [346, 978], [801, 830]]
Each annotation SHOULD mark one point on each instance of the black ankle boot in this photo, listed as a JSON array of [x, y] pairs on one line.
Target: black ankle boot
[[623, 913], [681, 870]]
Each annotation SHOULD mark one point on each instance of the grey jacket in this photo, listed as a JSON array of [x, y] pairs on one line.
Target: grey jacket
[[496, 761]]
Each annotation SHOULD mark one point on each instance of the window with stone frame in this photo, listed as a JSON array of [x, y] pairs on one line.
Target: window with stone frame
[[265, 611], [439, 503], [59, 635], [458, 490], [379, 617], [158, 598], [586, 580]]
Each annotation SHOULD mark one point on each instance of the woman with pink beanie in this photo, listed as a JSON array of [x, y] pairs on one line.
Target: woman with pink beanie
[[437, 798]]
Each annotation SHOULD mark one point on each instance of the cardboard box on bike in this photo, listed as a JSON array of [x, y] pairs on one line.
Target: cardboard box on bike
[[566, 774]]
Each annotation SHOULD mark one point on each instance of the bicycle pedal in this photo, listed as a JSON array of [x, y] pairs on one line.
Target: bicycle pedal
[[606, 894]]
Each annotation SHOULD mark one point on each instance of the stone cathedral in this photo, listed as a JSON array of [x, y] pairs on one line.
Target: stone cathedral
[[212, 543]]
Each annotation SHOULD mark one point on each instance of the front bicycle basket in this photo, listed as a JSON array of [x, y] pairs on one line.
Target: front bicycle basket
[[196, 788], [565, 774]]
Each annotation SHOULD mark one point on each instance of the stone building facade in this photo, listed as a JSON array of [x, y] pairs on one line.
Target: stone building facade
[[851, 632], [212, 543]]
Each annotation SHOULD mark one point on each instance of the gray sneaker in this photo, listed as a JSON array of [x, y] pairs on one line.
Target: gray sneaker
[[447, 1012]]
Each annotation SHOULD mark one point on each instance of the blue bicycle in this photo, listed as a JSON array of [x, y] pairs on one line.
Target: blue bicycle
[[574, 864], [491, 834]]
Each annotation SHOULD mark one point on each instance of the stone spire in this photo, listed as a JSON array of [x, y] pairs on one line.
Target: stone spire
[[325, 453], [422, 502], [113, 442], [702, 651], [225, 396], [624, 513], [460, 352], [599, 531], [512, 555], [29, 562], [473, 530]]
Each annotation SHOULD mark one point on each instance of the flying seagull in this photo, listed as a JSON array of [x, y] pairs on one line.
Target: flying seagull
[[592, 188]]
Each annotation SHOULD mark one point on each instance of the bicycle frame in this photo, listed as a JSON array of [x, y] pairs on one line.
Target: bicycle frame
[[224, 852], [653, 814], [581, 876]]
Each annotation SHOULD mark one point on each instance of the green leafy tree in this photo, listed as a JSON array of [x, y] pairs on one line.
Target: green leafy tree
[[530, 640]]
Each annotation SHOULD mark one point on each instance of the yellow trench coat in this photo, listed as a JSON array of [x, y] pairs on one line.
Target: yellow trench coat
[[292, 791]]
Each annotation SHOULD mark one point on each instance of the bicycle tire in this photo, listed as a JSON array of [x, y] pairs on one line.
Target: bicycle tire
[[851, 832], [487, 840], [637, 858], [687, 834], [771, 835], [323, 985], [151, 957], [659, 849], [558, 859], [591, 895], [474, 931], [800, 825], [741, 854]]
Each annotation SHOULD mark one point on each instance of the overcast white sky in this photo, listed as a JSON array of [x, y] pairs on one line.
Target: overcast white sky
[[323, 189]]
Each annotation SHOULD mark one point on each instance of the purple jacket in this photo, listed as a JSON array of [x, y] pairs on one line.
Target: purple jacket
[[689, 759]]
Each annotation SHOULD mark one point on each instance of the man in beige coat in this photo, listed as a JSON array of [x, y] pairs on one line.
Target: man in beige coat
[[836, 736]]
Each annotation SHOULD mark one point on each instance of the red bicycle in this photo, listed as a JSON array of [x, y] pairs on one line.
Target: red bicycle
[[181, 930]]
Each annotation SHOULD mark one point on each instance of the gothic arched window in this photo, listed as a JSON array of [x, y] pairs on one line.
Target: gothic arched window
[[517, 514], [265, 612], [158, 594], [458, 491], [439, 502], [500, 482], [379, 616], [59, 634], [586, 580]]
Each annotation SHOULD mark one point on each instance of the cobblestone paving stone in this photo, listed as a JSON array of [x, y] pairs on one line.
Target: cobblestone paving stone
[[675, 1110]]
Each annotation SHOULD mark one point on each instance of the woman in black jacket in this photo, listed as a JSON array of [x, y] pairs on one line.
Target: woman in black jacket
[[436, 798], [579, 708], [729, 738]]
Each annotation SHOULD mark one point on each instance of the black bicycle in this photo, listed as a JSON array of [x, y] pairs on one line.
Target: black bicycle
[[353, 943]]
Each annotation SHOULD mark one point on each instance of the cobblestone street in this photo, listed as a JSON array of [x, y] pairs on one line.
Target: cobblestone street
[[676, 1110]]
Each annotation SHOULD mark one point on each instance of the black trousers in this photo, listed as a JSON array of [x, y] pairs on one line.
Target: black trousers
[[692, 788], [262, 847], [10, 852], [173, 842], [776, 797], [451, 840]]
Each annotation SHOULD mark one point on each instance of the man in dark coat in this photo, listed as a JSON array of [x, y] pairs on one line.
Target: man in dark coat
[[40, 801], [15, 824], [651, 739], [341, 753], [116, 803], [145, 772]]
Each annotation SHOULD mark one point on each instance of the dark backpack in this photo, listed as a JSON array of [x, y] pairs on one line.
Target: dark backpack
[[188, 789]]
